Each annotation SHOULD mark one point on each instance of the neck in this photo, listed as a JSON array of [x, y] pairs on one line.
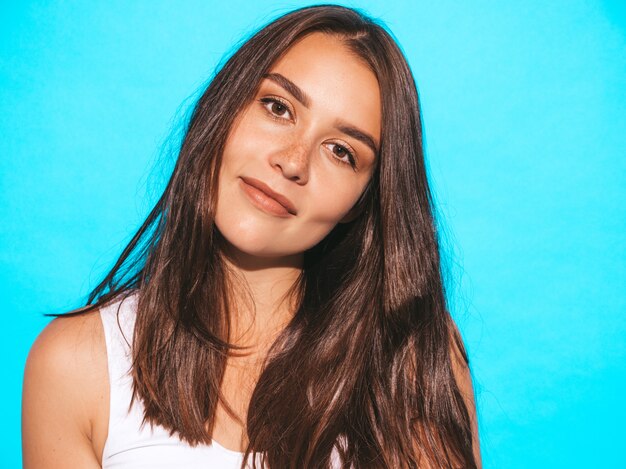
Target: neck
[[262, 297]]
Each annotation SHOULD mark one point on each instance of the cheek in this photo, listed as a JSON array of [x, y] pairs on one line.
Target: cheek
[[332, 203], [331, 208], [238, 145], [335, 199], [251, 133]]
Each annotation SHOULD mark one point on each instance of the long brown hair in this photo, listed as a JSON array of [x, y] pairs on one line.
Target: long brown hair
[[366, 358]]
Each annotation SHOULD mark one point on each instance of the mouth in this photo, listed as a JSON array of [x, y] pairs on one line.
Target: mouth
[[266, 199]]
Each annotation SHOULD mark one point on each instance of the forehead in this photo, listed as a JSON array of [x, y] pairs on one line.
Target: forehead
[[340, 84]]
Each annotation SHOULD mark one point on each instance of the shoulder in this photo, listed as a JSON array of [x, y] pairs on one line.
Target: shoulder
[[65, 383], [68, 347]]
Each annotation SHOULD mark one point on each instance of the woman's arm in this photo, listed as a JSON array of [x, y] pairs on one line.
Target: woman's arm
[[64, 371], [464, 382]]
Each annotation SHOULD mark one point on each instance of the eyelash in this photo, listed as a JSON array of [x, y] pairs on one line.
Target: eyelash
[[273, 100], [266, 101], [351, 159]]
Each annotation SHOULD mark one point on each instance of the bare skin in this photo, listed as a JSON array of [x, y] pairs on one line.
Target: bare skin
[[65, 405], [299, 153]]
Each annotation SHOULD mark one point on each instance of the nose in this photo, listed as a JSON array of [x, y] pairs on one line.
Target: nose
[[293, 161]]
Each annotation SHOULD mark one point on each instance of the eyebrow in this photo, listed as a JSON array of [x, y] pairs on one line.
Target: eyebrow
[[305, 100], [291, 87], [356, 134]]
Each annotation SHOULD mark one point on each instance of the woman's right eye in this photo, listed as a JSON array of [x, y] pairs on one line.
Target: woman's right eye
[[276, 108]]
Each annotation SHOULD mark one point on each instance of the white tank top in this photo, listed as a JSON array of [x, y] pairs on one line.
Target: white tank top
[[130, 445]]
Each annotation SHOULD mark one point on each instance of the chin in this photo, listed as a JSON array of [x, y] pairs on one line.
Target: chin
[[251, 238], [250, 244]]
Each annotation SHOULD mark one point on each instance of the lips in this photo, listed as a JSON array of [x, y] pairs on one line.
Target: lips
[[280, 199]]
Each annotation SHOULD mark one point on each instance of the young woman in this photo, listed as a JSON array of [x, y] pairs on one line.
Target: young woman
[[282, 306]]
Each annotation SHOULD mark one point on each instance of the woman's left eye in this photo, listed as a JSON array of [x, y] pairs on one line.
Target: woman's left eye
[[343, 155], [276, 108]]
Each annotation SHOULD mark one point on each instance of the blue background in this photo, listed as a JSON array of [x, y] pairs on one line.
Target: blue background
[[525, 120]]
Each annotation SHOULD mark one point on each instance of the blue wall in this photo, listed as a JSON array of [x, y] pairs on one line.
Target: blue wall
[[524, 110]]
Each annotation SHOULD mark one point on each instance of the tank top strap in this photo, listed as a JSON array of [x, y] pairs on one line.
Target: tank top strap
[[125, 422], [118, 320]]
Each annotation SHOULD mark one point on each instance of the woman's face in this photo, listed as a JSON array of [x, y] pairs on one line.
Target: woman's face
[[309, 139]]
